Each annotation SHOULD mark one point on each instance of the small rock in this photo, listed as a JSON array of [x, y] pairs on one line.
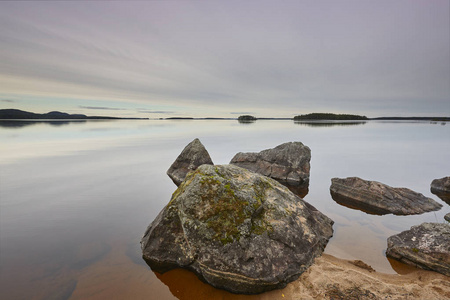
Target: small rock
[[192, 156], [447, 217], [426, 246], [288, 163], [377, 198], [441, 188], [362, 265]]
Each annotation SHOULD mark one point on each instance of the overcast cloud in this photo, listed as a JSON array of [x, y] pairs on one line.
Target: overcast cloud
[[213, 58]]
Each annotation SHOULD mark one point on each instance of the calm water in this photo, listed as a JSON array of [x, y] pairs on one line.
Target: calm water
[[75, 198]]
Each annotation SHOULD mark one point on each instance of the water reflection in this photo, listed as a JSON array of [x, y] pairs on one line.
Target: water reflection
[[443, 195], [246, 121], [185, 285], [20, 124], [328, 123], [67, 191], [299, 190], [400, 267], [350, 203]]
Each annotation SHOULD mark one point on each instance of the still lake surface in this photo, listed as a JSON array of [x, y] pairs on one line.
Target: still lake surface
[[75, 198]]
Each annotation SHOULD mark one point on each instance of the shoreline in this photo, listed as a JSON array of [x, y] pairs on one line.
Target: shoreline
[[328, 278]]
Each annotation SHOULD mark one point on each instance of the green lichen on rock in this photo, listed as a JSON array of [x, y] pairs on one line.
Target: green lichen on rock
[[224, 212]]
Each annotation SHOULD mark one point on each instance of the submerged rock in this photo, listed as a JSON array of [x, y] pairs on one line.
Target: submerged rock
[[441, 188], [377, 198], [426, 246], [288, 163], [192, 156], [236, 230]]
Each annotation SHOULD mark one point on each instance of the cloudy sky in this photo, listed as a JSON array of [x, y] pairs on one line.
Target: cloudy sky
[[225, 58]]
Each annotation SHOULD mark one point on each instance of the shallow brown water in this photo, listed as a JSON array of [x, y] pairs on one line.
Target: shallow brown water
[[75, 199]]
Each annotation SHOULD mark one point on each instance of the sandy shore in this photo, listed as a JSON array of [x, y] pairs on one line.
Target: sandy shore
[[333, 278], [328, 278]]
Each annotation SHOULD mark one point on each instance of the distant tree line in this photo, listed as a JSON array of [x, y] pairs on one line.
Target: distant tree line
[[11, 114], [329, 116]]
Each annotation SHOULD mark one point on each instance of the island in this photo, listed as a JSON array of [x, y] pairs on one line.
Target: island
[[17, 114], [247, 118], [328, 116]]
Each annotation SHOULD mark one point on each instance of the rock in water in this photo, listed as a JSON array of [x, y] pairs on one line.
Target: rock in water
[[287, 163], [377, 198], [426, 246], [236, 230], [442, 184], [441, 188], [192, 156], [447, 217]]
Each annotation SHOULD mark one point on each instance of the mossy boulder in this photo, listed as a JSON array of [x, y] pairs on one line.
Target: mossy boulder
[[236, 230], [426, 246], [192, 156]]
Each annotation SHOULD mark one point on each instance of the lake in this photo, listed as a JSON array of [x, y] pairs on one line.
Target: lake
[[76, 197]]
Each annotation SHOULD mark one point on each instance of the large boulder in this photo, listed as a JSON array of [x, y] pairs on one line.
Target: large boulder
[[288, 163], [377, 198], [192, 156], [441, 188], [426, 246], [236, 230]]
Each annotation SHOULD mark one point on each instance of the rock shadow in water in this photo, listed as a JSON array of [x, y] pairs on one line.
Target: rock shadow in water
[[350, 203], [299, 190], [185, 285], [442, 195]]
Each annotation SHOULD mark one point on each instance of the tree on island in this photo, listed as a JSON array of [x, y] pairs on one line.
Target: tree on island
[[246, 118], [329, 116]]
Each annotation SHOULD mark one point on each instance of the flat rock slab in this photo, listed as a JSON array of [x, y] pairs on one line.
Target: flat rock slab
[[377, 198], [441, 188], [192, 156], [236, 230], [426, 246], [288, 163]]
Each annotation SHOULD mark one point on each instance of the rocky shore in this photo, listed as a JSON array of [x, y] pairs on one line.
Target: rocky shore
[[239, 228]]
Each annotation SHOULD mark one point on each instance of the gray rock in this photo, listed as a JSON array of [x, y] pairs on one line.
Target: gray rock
[[192, 156], [441, 188], [442, 184], [288, 163], [447, 217], [377, 198], [426, 246], [236, 230]]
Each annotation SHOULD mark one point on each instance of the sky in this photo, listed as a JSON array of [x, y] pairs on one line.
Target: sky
[[226, 58]]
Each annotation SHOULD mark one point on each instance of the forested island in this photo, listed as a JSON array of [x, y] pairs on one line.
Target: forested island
[[246, 118], [329, 116], [17, 114]]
